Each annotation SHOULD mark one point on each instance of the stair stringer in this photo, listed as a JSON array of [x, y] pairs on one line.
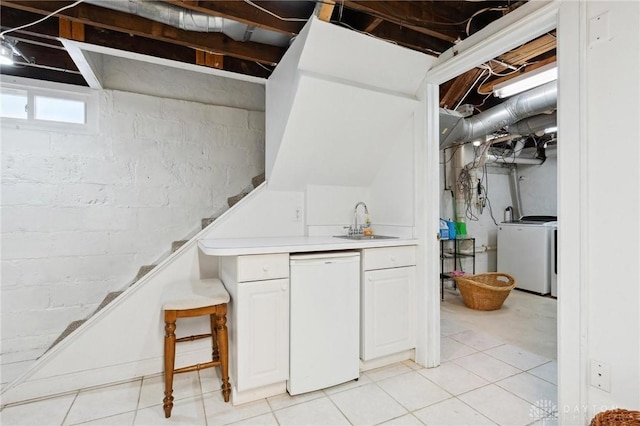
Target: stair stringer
[[125, 340]]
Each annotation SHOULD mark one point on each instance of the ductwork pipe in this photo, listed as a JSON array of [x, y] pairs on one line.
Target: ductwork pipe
[[166, 14], [514, 109], [535, 124], [515, 192]]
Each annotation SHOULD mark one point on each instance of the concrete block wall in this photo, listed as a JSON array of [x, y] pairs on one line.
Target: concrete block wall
[[81, 213]]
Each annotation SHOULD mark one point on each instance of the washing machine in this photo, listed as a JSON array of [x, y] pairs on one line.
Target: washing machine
[[525, 252]]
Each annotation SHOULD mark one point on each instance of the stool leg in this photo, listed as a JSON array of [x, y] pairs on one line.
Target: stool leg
[[169, 360], [223, 347], [215, 353]]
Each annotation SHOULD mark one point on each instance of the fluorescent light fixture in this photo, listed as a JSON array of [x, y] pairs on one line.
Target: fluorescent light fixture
[[551, 129], [526, 81], [6, 53]]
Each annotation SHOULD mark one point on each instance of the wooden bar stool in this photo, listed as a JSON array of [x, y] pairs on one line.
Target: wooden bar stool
[[211, 299]]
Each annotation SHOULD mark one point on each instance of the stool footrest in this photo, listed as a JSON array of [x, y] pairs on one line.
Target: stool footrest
[[196, 367], [192, 338]]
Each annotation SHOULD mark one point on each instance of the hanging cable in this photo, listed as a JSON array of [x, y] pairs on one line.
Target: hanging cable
[[69, 6], [478, 13], [266, 68], [274, 15], [468, 91]]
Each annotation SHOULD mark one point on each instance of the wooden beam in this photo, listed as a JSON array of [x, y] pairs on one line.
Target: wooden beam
[[210, 60], [454, 91], [372, 25], [48, 30], [488, 86], [242, 12], [409, 38], [324, 10], [71, 30], [528, 51], [130, 24], [381, 9]]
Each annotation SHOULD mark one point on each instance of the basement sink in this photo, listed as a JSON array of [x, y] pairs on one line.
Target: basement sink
[[364, 237]]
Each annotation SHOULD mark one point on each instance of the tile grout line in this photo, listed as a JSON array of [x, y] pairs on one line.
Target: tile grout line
[[135, 414], [69, 409]]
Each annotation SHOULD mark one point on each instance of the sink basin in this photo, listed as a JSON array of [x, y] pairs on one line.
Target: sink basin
[[364, 237]]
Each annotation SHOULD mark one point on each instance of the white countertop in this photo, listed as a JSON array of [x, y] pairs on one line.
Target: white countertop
[[264, 245]]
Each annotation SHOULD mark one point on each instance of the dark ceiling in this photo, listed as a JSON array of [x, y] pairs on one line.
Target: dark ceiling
[[428, 26]]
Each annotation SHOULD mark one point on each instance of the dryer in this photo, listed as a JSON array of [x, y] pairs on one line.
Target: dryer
[[524, 251]]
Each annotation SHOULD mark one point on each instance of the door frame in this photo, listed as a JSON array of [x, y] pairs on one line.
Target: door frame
[[523, 24]]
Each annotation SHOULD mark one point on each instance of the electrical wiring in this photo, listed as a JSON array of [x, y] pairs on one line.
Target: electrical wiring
[[344, 24], [478, 13], [454, 153], [497, 74], [482, 103], [470, 88], [485, 174], [249, 2], [266, 68], [364, 32], [69, 6], [465, 185], [416, 21], [483, 82]]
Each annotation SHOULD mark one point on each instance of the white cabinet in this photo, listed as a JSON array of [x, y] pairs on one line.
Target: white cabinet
[[388, 319], [258, 319]]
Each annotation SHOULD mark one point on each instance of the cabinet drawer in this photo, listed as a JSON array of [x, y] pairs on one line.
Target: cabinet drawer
[[388, 257], [263, 267]]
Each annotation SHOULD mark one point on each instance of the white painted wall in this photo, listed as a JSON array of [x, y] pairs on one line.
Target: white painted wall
[[173, 83], [539, 186], [610, 153], [81, 213], [389, 198]]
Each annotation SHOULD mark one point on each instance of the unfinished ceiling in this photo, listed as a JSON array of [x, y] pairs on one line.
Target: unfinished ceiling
[[250, 37]]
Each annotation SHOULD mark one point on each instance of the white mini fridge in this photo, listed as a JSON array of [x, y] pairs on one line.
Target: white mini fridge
[[324, 323]]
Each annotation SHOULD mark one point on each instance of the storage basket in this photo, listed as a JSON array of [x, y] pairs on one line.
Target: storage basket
[[617, 417], [485, 292]]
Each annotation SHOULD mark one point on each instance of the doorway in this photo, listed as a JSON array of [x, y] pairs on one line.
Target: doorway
[[508, 33]]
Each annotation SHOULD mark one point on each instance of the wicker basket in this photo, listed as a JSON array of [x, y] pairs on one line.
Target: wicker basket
[[617, 417], [485, 292]]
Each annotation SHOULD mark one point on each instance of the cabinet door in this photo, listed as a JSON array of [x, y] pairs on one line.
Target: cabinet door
[[388, 313], [263, 333]]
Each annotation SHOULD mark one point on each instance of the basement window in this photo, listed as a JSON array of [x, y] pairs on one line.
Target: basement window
[[41, 105]]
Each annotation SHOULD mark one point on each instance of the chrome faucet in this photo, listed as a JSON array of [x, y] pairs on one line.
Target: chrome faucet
[[355, 229]]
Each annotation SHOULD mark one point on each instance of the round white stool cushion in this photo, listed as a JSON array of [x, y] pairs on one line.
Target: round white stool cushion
[[197, 293]]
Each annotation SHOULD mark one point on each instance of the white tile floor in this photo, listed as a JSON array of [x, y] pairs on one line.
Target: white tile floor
[[483, 380]]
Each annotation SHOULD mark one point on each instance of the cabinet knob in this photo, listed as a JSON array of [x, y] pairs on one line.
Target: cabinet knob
[[283, 287], [393, 258], [370, 279], [265, 268]]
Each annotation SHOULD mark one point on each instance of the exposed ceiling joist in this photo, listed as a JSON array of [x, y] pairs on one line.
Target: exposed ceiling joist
[[428, 26], [455, 91], [382, 9], [12, 18], [488, 87], [242, 12], [324, 10], [130, 24]]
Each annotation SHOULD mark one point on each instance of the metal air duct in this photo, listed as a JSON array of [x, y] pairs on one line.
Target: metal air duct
[[189, 20], [535, 124], [456, 130]]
